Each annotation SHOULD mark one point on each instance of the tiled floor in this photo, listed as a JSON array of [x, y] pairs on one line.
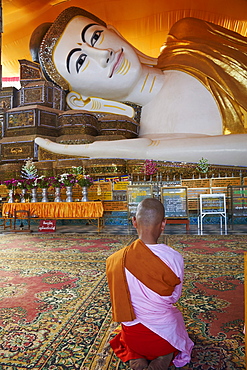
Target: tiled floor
[[170, 229], [66, 227]]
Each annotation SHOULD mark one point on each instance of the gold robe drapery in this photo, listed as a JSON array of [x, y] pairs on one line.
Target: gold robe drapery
[[218, 58]]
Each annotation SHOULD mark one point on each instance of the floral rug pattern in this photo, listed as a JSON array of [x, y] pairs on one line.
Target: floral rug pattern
[[212, 303], [53, 298], [55, 311]]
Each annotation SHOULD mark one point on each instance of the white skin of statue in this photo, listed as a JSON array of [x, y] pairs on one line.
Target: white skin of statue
[[180, 120]]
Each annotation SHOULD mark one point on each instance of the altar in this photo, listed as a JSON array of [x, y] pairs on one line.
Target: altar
[[57, 211]]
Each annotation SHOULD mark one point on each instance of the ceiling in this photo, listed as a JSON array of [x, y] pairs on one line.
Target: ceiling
[[144, 23]]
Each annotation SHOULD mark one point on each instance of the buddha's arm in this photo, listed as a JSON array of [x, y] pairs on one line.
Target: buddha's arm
[[227, 150]]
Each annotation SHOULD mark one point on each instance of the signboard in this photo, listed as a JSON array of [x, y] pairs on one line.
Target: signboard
[[239, 191], [212, 203], [100, 191], [193, 204], [240, 207], [100, 186], [238, 200], [121, 185], [135, 194], [219, 190], [46, 226], [193, 195], [115, 206], [175, 201], [106, 195], [225, 181], [196, 183], [195, 192]]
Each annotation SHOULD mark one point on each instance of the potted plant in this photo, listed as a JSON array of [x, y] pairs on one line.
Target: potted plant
[[68, 180], [56, 184], [43, 183], [11, 186], [85, 181]]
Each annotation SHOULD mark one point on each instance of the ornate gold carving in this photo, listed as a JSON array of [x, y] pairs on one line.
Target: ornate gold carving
[[16, 150], [118, 125], [29, 70], [78, 124], [20, 119], [33, 95]]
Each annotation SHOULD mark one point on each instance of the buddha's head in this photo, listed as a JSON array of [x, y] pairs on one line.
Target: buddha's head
[[80, 53]]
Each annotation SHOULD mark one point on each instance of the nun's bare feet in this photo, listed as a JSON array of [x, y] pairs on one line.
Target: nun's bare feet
[[139, 364], [161, 362]]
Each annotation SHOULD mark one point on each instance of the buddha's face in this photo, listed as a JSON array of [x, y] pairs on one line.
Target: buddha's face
[[96, 61]]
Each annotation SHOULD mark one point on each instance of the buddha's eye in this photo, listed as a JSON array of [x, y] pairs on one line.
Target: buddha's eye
[[80, 61], [95, 37]]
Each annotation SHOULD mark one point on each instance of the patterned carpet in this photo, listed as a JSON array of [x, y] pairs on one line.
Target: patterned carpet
[[213, 300], [53, 299], [54, 302], [212, 303]]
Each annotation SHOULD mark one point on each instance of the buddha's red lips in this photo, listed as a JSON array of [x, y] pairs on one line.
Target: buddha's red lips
[[119, 57]]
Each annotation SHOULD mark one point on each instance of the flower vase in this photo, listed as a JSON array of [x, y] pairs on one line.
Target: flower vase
[[11, 196], [57, 195], [84, 194], [69, 194], [44, 195], [33, 195], [23, 195]]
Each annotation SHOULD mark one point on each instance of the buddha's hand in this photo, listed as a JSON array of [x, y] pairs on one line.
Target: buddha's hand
[[127, 148]]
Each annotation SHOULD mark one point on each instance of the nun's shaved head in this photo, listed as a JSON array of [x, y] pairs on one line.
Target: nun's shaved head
[[150, 212]]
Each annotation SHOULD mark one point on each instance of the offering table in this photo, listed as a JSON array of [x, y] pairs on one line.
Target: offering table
[[59, 210]]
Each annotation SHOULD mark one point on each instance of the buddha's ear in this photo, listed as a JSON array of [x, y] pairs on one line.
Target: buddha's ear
[[93, 104], [144, 59], [76, 101]]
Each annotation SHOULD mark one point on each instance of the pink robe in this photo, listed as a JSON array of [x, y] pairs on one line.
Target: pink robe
[[158, 313]]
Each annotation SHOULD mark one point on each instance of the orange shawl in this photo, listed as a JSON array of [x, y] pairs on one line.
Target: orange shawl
[[146, 267]]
